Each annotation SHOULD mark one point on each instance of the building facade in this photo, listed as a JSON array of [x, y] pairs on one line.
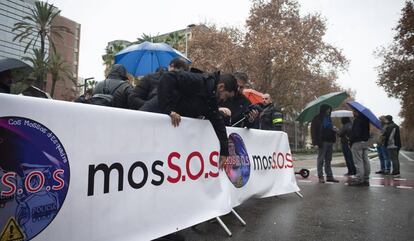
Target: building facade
[[13, 11], [68, 47]]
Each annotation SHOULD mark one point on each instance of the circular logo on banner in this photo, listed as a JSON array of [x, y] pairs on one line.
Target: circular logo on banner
[[238, 164], [34, 177]]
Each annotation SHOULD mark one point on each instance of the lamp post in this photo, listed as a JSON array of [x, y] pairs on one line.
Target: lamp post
[[186, 38]]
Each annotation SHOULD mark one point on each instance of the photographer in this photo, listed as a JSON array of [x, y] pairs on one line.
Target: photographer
[[237, 110]]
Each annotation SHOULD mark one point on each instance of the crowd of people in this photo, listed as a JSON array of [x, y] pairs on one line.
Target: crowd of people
[[354, 138], [183, 91]]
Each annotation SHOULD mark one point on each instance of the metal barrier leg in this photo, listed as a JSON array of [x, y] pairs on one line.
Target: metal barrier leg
[[299, 194], [238, 217], [224, 226]]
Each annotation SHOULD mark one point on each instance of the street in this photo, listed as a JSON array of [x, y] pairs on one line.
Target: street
[[382, 211]]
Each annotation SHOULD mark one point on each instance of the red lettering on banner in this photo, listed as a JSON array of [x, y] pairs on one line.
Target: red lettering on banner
[[187, 165], [9, 184], [58, 179], [283, 160], [274, 166], [27, 184], [174, 167], [289, 160], [214, 163]]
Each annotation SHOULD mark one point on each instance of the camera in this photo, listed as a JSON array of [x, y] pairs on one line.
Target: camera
[[257, 107]]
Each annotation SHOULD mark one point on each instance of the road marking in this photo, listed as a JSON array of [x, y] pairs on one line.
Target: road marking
[[306, 181], [373, 159], [400, 179], [372, 185], [402, 153], [377, 178], [404, 187]]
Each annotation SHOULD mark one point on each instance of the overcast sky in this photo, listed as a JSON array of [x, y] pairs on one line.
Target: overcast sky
[[358, 27]]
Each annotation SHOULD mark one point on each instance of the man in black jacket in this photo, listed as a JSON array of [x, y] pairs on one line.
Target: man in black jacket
[[183, 93], [359, 147], [116, 80], [323, 136], [145, 93], [393, 144], [234, 105], [270, 118], [344, 134]]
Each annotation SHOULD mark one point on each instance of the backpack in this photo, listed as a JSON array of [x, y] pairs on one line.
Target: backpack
[[106, 97]]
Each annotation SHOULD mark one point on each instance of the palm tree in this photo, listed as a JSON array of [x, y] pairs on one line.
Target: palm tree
[[37, 25], [148, 38], [110, 52], [56, 67], [40, 67], [175, 39]]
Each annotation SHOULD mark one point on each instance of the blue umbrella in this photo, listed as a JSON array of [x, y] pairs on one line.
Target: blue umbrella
[[145, 58], [366, 112]]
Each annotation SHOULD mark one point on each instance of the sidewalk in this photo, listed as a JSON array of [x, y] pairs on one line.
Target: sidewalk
[[308, 161]]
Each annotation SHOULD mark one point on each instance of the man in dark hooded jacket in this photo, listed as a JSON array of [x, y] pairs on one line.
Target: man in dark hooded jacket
[[145, 93], [116, 85], [393, 144], [183, 93], [323, 136]]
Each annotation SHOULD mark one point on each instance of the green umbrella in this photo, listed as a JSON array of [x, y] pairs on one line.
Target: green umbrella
[[312, 108]]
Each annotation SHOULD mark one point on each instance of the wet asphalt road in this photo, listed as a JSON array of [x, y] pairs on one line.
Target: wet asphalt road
[[383, 211]]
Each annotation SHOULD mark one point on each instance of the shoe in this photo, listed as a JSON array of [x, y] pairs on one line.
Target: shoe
[[357, 184], [395, 174], [331, 179], [321, 180], [379, 172], [365, 183]]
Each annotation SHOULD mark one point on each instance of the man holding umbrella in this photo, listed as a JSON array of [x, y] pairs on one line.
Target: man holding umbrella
[[323, 136], [359, 147], [359, 141]]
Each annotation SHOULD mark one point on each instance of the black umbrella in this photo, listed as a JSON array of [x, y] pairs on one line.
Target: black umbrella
[[35, 92], [11, 63]]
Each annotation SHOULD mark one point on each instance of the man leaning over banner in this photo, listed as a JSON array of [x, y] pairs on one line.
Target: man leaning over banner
[[183, 93]]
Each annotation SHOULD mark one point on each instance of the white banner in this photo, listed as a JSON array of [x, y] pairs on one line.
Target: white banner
[[72, 171]]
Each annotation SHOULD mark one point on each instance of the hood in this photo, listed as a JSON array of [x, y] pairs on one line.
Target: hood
[[118, 71], [323, 108]]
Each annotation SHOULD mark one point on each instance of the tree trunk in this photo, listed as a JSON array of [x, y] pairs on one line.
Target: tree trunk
[[52, 90], [41, 77]]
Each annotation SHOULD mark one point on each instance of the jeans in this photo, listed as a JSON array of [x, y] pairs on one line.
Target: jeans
[[348, 158], [393, 153], [360, 155], [324, 159], [384, 158]]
